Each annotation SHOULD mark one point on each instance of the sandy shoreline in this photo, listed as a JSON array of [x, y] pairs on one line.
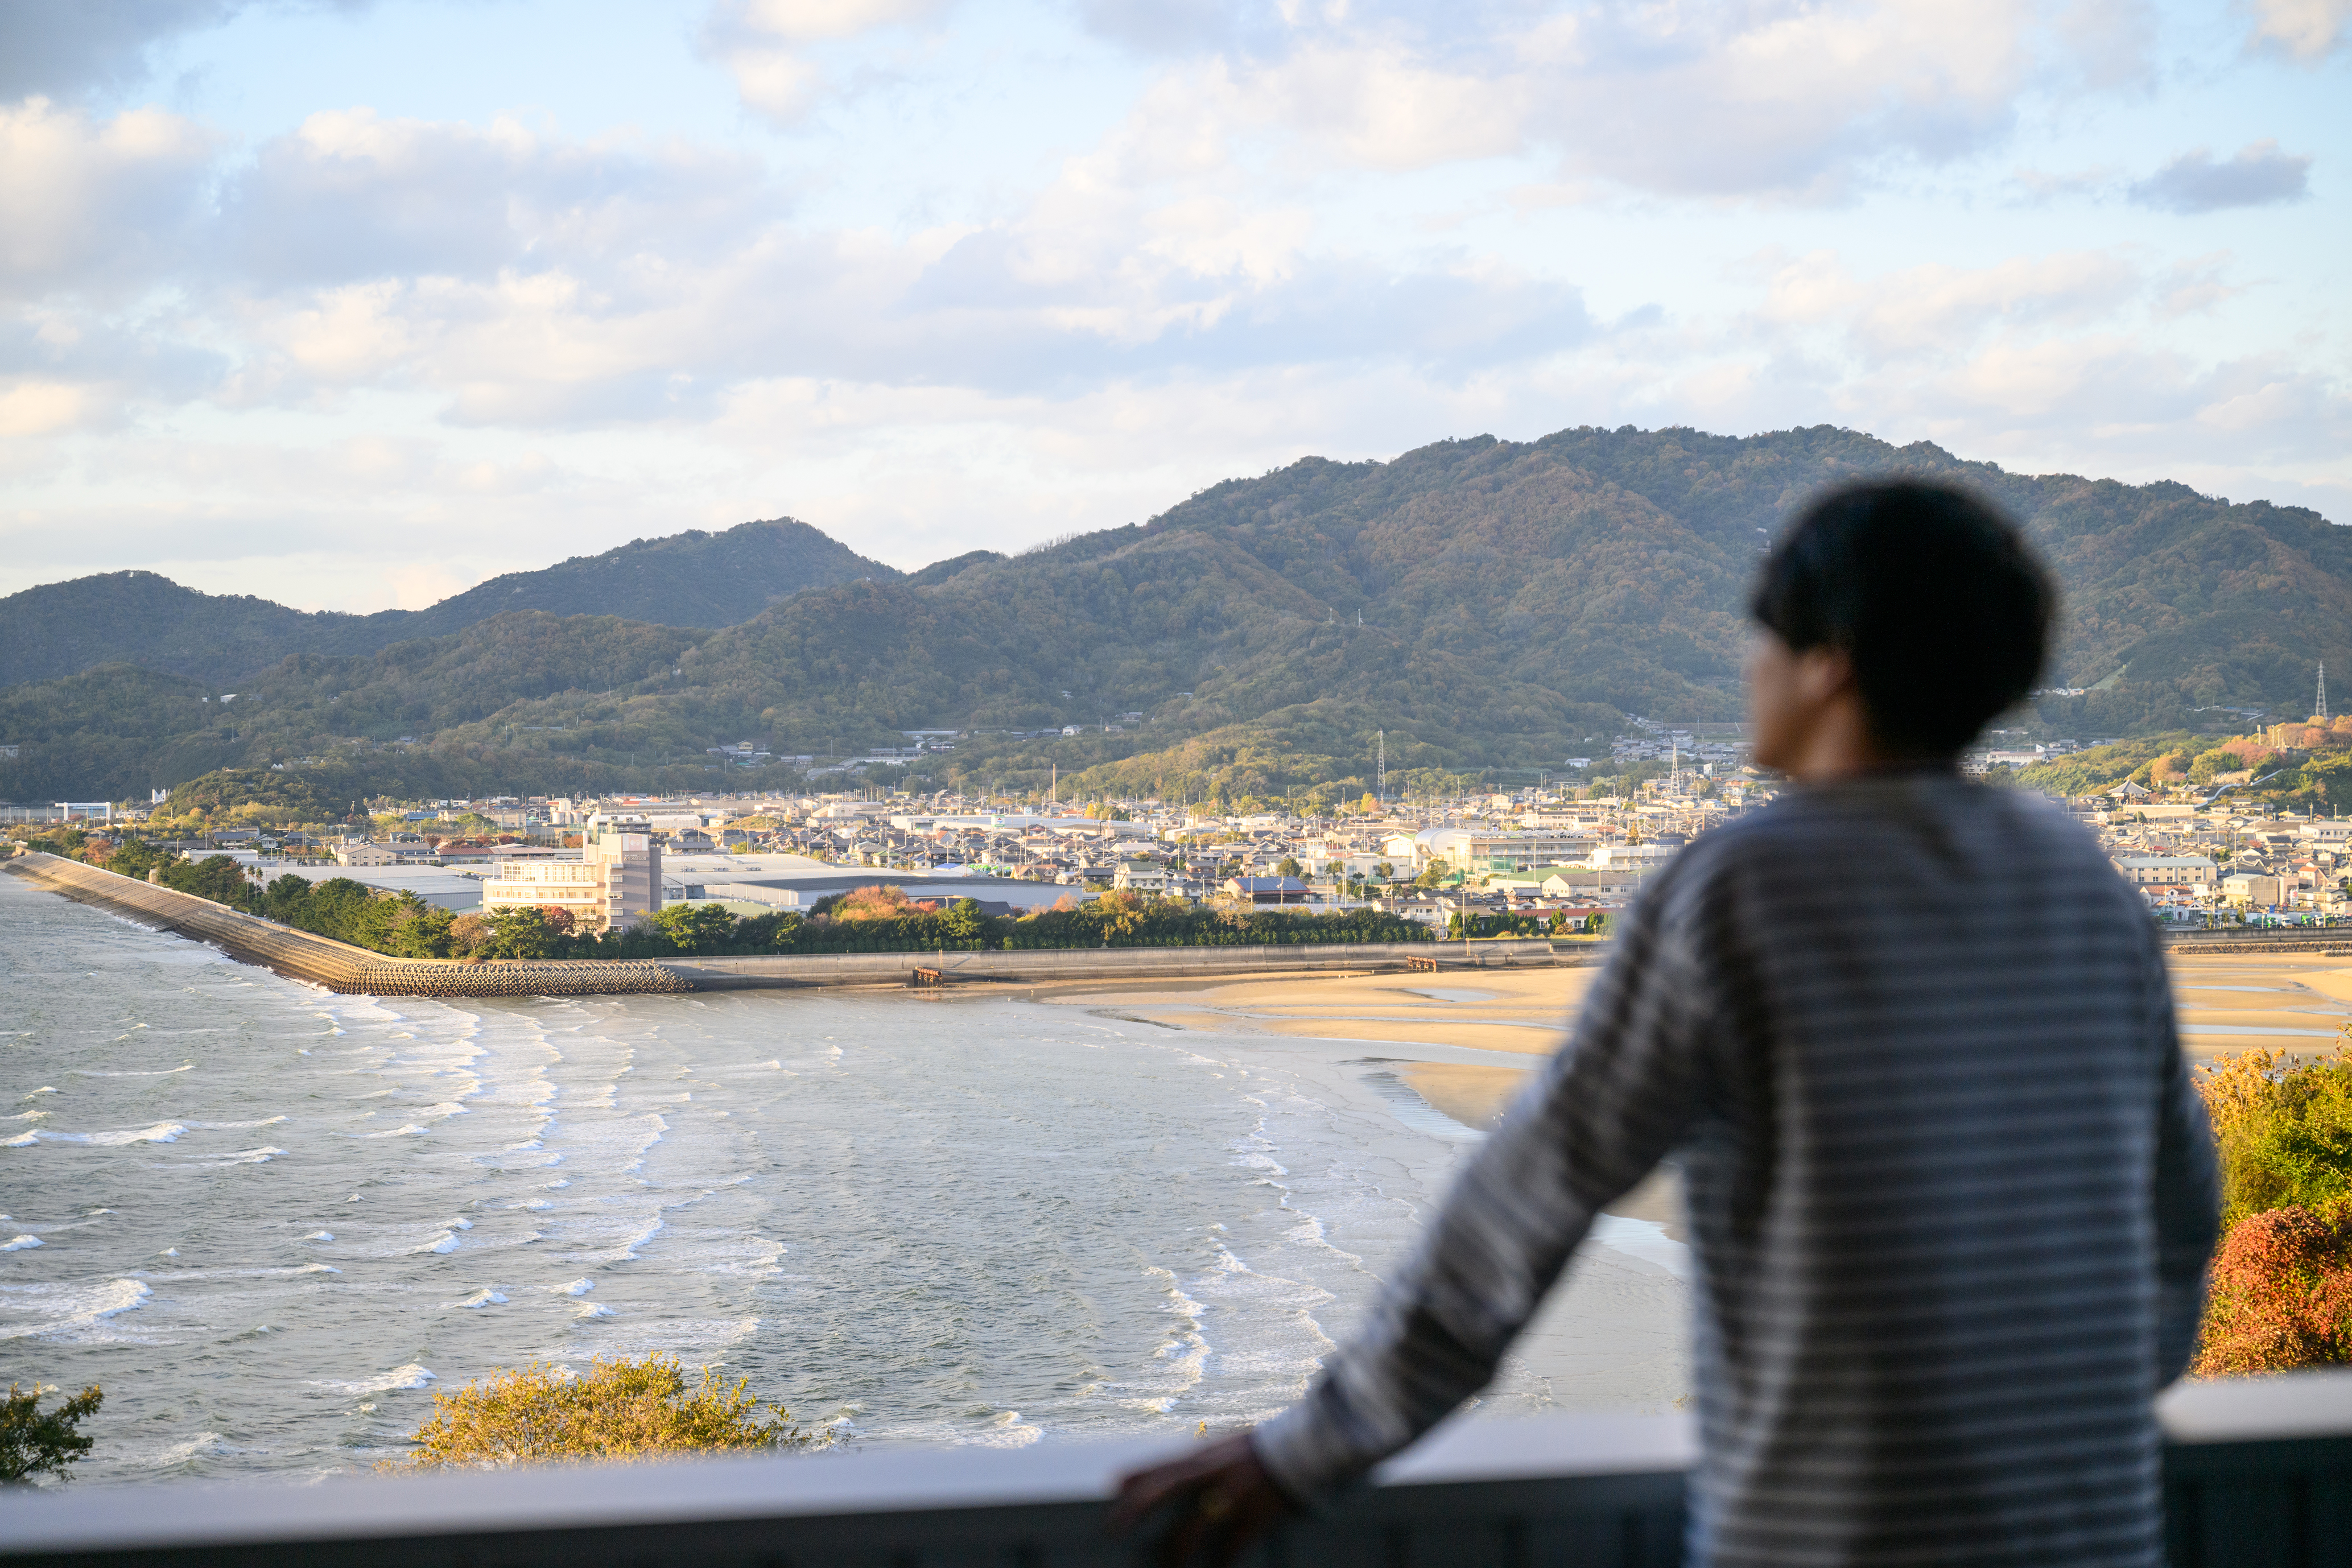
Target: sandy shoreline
[[1460, 1047], [2227, 1004]]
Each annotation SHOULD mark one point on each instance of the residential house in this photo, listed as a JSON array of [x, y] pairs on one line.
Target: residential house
[[2145, 870], [1261, 891], [2253, 891], [1141, 877]]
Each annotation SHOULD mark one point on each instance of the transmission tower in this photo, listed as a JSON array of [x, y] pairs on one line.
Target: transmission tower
[[1381, 774], [2322, 709]]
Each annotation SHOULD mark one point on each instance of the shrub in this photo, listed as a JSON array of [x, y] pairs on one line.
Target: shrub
[[2283, 1125], [2281, 1294], [31, 1442], [619, 1410]]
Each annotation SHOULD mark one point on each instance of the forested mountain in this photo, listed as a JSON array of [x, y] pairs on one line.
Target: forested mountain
[[1485, 603], [691, 579]]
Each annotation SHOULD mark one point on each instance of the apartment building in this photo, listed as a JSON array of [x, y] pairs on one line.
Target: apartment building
[[616, 883]]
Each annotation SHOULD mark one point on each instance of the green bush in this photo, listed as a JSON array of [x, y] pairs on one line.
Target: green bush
[[32, 1442], [2283, 1125]]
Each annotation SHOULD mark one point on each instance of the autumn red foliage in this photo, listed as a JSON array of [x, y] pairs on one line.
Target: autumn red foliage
[[2281, 1294]]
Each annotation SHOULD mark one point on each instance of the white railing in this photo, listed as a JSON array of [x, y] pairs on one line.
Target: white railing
[[2254, 1468]]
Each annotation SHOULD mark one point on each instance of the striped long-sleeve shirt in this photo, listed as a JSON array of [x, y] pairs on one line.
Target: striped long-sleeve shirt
[[1951, 1191]]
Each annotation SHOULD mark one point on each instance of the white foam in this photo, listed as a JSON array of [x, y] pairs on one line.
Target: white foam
[[321, 1235], [592, 1310], [1183, 1354], [197, 1448], [75, 1313], [411, 1131], [409, 1376], [160, 1132], [1006, 1431], [22, 1244], [580, 1287], [461, 1225], [155, 1072], [245, 1157], [482, 1298], [446, 1242]]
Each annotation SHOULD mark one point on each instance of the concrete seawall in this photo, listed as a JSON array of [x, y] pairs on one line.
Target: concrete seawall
[[341, 967], [322, 961]]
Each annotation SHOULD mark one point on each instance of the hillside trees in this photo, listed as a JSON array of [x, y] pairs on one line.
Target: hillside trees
[[1503, 603]]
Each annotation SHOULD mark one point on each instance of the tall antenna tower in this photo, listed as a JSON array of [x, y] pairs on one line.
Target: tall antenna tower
[[2323, 691], [1380, 776]]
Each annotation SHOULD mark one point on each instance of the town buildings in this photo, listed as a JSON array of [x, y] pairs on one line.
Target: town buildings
[[616, 881]]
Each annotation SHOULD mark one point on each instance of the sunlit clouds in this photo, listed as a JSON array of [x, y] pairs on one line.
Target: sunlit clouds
[[932, 275]]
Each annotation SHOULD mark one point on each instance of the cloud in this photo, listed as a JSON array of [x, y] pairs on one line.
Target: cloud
[[353, 195], [1937, 310], [766, 46], [2307, 30], [1772, 99], [95, 207], [1779, 99], [62, 50], [2259, 175]]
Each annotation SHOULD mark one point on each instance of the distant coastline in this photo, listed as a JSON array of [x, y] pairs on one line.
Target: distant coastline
[[341, 967]]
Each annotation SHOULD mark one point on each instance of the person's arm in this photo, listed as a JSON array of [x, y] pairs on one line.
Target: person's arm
[[1602, 1114], [2188, 1195]]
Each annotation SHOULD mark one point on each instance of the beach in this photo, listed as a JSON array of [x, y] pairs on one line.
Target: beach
[[1463, 1045], [2226, 1003]]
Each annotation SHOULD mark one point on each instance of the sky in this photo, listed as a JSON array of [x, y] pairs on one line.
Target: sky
[[353, 305]]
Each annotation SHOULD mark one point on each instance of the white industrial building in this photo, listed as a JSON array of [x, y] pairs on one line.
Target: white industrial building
[[618, 880]]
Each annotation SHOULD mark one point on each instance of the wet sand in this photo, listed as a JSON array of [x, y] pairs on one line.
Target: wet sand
[[2296, 1002], [1461, 1047]]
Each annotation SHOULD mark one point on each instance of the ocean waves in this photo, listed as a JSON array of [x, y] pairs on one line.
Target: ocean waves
[[987, 1222]]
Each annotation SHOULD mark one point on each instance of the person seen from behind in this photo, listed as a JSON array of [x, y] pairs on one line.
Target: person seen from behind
[[1910, 1038]]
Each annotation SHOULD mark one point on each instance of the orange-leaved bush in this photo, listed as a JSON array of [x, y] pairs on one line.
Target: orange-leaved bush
[[617, 1410], [2281, 1294]]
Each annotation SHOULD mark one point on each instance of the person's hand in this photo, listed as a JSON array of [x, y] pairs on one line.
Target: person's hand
[[1222, 1500]]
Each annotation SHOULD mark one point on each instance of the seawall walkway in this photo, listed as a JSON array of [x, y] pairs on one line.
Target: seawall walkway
[[341, 967]]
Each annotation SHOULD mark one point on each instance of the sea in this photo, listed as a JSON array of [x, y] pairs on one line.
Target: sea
[[271, 1222]]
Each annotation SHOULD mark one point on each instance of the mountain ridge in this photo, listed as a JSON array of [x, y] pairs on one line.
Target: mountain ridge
[[1483, 604], [691, 579]]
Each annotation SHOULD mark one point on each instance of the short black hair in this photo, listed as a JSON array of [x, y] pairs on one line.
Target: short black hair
[[1934, 594]]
